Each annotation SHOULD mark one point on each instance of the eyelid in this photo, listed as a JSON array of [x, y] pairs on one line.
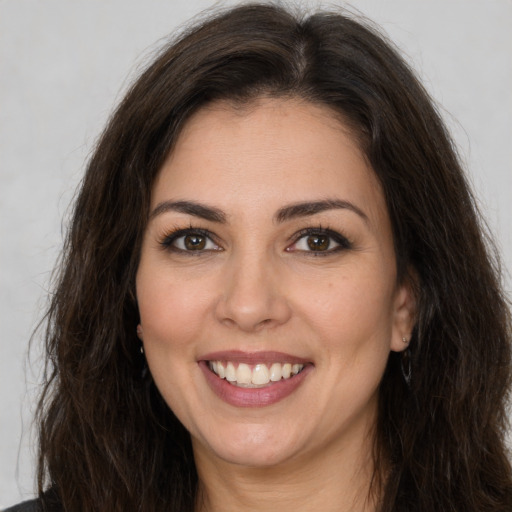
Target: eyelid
[[169, 238], [343, 243]]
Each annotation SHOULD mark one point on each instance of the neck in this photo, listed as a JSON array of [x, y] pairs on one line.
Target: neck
[[337, 478]]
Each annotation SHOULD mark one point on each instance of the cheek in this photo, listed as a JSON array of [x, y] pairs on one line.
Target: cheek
[[169, 308], [169, 318], [352, 311]]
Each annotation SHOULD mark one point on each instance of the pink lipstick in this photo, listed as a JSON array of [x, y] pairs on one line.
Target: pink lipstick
[[253, 379]]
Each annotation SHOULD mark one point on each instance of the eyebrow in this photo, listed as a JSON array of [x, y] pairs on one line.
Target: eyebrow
[[293, 211], [190, 208], [309, 208]]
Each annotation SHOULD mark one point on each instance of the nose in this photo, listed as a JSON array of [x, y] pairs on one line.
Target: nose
[[252, 296]]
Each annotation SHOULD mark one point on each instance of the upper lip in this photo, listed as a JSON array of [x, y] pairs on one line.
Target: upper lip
[[240, 356]]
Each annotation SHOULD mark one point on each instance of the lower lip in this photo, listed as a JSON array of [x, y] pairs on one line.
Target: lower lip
[[253, 397]]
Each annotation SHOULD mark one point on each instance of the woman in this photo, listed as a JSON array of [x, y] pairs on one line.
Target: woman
[[276, 294]]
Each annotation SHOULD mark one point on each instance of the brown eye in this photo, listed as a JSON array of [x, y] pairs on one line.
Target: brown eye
[[190, 240], [194, 242], [318, 242]]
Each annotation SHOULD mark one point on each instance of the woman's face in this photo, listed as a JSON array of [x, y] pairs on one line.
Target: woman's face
[[267, 284]]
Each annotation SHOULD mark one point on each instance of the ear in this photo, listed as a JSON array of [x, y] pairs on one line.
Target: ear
[[404, 312], [139, 332]]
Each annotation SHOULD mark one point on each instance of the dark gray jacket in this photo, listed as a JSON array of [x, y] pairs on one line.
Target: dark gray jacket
[[51, 501], [26, 506]]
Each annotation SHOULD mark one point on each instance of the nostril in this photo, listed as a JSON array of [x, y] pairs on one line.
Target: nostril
[[246, 326]]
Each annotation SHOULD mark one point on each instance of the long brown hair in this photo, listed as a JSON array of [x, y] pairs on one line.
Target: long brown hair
[[108, 442]]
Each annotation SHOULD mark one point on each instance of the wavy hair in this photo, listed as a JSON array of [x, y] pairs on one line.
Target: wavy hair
[[108, 441]]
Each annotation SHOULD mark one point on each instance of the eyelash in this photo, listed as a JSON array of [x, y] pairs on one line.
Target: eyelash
[[342, 242], [170, 239]]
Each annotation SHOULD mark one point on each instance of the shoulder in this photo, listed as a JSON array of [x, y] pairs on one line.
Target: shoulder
[[26, 506], [50, 499]]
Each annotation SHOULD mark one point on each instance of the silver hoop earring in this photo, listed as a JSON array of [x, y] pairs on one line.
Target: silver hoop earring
[[405, 365], [145, 370]]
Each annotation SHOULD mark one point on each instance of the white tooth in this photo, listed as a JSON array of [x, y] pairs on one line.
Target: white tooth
[[260, 374], [240, 385], [213, 366], [296, 368], [287, 370], [276, 372], [243, 374], [221, 371], [230, 372]]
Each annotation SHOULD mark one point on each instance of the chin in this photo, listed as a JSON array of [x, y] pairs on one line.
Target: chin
[[248, 446]]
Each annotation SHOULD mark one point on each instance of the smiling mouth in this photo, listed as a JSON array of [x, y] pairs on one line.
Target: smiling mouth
[[254, 376]]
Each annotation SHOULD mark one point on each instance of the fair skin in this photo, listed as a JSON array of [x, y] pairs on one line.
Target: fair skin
[[233, 271]]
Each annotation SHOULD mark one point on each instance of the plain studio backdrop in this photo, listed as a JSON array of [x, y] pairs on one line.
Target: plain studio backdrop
[[63, 66]]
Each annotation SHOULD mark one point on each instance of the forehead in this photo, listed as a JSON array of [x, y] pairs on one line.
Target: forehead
[[264, 153]]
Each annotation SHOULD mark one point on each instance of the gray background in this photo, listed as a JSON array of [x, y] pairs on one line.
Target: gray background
[[63, 65]]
